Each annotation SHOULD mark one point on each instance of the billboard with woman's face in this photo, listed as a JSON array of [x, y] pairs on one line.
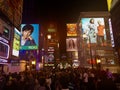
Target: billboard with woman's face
[[29, 36], [71, 44], [94, 30]]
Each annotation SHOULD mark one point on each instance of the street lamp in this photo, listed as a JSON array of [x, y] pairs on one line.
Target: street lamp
[[98, 61], [49, 36], [85, 36]]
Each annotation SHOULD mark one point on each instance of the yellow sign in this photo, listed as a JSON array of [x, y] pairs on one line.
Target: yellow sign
[[109, 3]]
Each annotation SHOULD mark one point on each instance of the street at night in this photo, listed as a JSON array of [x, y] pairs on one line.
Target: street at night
[[59, 45]]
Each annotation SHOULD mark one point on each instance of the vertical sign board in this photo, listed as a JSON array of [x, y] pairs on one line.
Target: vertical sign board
[[16, 43]]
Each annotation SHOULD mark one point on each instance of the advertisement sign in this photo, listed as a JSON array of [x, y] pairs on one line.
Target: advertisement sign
[[4, 49], [16, 43], [93, 30], [29, 37], [111, 4], [71, 44], [49, 58], [51, 49], [71, 29], [111, 33]]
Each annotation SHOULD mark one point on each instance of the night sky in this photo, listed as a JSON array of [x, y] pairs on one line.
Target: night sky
[[59, 11]]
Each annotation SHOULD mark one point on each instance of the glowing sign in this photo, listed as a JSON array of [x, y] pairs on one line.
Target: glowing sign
[[4, 50], [30, 36], [71, 29], [16, 43]]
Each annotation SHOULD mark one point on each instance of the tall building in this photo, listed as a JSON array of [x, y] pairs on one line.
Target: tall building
[[10, 20], [51, 50], [115, 18], [95, 39]]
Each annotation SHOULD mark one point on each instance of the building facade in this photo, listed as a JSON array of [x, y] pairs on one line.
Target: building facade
[[95, 41]]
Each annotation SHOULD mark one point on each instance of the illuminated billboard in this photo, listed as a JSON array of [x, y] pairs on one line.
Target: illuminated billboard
[[16, 43], [71, 44], [29, 36], [4, 49], [111, 33], [93, 30], [111, 4], [49, 58], [71, 29]]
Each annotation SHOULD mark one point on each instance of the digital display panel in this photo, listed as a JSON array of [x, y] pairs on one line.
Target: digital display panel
[[29, 36], [93, 30], [16, 43], [49, 58], [71, 44], [111, 33], [71, 29]]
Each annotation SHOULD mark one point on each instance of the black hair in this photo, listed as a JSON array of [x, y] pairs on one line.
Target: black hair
[[91, 20], [28, 27]]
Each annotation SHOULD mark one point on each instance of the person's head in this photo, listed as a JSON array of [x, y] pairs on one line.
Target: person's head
[[92, 20], [27, 30], [99, 22]]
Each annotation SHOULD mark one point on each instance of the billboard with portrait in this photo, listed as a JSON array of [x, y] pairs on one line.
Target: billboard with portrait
[[71, 44], [71, 29], [94, 30], [29, 36], [16, 42]]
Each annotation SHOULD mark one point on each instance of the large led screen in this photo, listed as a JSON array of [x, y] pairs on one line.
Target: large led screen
[[93, 30], [16, 43], [29, 36], [71, 29], [71, 44]]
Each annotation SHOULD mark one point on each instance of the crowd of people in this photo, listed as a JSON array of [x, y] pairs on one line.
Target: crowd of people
[[59, 79]]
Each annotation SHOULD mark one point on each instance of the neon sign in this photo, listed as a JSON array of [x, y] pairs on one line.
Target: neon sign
[[4, 50]]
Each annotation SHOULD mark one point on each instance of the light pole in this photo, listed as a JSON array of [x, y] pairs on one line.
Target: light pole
[[98, 63], [85, 36], [91, 52]]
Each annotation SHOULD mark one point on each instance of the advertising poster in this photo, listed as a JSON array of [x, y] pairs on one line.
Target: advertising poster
[[71, 29], [94, 30], [16, 43], [29, 36], [71, 44]]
